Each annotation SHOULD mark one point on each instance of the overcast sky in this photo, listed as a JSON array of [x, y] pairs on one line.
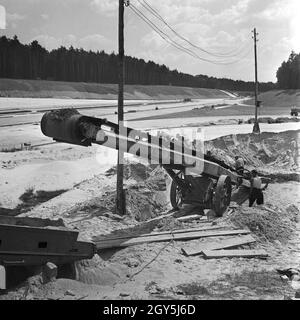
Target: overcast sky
[[219, 26]]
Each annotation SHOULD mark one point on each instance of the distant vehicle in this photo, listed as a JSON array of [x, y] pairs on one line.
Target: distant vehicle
[[295, 111], [187, 100]]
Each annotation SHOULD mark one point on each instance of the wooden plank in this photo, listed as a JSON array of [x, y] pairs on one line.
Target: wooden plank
[[269, 209], [192, 217], [223, 244], [158, 218], [158, 233], [213, 254], [167, 237]]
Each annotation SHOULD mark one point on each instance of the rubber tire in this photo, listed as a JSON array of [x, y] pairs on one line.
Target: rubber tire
[[224, 181]]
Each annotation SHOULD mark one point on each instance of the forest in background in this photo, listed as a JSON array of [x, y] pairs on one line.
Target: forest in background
[[288, 74], [32, 61]]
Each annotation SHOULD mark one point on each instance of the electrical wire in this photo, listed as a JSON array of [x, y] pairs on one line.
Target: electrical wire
[[172, 42], [167, 38], [154, 12]]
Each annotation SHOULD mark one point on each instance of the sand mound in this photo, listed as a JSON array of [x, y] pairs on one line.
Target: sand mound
[[272, 154], [268, 224], [132, 170], [145, 194]]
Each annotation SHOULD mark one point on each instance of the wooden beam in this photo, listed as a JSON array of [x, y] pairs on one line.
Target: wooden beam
[[192, 217], [222, 244], [167, 237], [158, 233], [213, 254], [158, 218]]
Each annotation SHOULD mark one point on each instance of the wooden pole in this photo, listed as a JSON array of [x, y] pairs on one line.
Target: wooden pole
[[256, 125], [120, 200]]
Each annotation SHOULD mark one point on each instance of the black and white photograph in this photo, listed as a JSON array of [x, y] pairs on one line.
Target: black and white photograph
[[149, 150]]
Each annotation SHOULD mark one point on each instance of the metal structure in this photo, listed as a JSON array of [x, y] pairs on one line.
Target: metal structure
[[195, 180], [28, 242], [28, 246]]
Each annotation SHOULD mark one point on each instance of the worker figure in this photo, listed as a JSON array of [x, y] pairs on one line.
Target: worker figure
[[208, 155], [256, 192], [239, 165]]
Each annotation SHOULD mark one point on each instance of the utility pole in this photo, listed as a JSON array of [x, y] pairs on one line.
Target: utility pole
[[120, 199], [256, 125]]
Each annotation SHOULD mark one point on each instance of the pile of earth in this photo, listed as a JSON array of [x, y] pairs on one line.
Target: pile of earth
[[269, 224], [133, 170], [145, 194], [271, 154]]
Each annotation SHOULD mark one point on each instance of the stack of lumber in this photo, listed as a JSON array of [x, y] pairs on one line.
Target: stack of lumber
[[180, 235], [217, 248], [216, 245]]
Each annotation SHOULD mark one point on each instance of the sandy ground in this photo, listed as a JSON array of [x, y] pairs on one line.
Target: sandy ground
[[61, 166], [19, 111], [125, 274], [233, 109]]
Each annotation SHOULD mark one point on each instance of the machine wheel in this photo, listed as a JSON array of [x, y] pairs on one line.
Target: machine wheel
[[222, 195], [176, 196]]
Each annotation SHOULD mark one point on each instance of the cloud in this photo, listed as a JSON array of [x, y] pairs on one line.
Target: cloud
[[93, 42], [13, 19], [105, 6], [196, 23], [45, 16], [96, 42], [2, 17], [223, 26], [295, 26], [220, 26], [47, 41]]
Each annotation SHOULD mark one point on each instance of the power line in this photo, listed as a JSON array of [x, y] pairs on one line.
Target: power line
[[167, 38], [154, 12], [175, 44], [163, 35]]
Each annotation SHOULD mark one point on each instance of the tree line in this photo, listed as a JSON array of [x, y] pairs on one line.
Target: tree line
[[288, 74], [32, 61]]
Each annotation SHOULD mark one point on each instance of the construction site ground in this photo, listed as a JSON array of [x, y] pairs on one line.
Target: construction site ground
[[77, 185]]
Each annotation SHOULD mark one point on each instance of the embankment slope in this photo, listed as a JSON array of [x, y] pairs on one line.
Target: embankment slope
[[82, 90], [279, 98]]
